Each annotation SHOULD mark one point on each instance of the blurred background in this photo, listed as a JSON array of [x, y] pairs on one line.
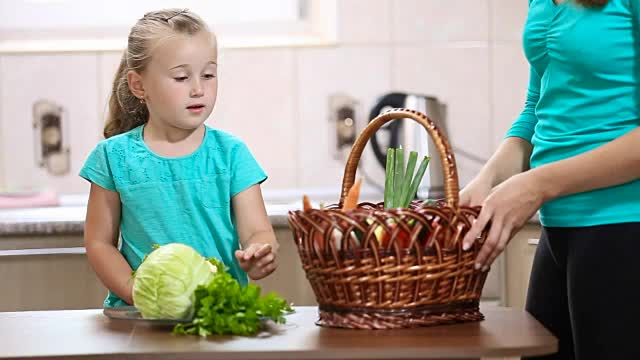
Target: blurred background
[[291, 72], [298, 81]]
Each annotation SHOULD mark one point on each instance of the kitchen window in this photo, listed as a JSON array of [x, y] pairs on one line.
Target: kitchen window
[[81, 25]]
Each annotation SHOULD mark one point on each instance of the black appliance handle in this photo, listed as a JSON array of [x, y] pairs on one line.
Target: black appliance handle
[[393, 100]]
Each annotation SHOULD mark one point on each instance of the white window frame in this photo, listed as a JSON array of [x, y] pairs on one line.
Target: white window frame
[[317, 28]]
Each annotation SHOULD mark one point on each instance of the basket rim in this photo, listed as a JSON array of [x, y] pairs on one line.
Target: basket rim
[[444, 306]]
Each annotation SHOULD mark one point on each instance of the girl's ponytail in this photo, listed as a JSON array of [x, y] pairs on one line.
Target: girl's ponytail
[[125, 110]]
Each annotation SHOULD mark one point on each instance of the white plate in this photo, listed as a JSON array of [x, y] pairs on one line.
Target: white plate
[[132, 314]]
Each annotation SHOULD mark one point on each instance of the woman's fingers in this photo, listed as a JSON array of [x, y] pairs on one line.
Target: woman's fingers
[[477, 228], [490, 243], [505, 234]]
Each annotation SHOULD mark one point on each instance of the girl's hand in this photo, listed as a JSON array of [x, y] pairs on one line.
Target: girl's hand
[[257, 260], [507, 208]]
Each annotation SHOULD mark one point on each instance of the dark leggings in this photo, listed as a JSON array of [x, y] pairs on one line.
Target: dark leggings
[[585, 288]]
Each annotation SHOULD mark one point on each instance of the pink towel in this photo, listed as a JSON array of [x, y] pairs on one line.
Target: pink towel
[[36, 199]]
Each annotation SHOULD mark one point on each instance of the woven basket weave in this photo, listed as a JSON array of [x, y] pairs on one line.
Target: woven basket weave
[[376, 268]]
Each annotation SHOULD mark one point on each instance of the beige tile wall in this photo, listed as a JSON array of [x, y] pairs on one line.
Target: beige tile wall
[[419, 21], [107, 66], [459, 76], [364, 21], [256, 101], [507, 19], [510, 76], [509, 68], [360, 72], [466, 52]]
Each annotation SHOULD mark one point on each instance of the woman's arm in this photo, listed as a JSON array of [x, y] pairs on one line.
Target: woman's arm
[[259, 244], [511, 158], [101, 236], [517, 199], [614, 163]]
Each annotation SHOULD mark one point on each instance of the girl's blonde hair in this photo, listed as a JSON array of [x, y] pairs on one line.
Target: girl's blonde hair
[[125, 110]]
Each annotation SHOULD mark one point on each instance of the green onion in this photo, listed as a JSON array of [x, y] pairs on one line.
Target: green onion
[[408, 175], [401, 185], [389, 174], [416, 181], [398, 180]]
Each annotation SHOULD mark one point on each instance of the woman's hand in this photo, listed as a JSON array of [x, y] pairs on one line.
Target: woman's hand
[[507, 208], [476, 191]]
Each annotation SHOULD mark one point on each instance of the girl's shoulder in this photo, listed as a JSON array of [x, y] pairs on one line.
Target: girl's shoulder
[[223, 140], [125, 139]]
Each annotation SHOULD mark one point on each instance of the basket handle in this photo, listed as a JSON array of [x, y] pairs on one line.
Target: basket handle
[[451, 186]]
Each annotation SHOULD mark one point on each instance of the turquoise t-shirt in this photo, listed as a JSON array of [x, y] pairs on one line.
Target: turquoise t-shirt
[[185, 199], [584, 91]]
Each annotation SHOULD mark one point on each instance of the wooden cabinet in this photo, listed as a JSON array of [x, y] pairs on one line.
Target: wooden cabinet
[[518, 260], [47, 273], [289, 280], [53, 273]]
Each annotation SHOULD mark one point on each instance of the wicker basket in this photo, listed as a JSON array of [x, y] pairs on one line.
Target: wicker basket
[[376, 268]]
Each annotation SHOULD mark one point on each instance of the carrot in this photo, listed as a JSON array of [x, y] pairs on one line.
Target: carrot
[[306, 204], [351, 200]]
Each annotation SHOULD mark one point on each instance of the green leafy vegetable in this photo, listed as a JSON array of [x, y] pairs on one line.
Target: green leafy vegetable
[[224, 307]]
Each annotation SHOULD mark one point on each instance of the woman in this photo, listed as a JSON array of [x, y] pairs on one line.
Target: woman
[[574, 154]]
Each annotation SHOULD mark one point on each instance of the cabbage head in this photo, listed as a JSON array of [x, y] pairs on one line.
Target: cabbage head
[[164, 284]]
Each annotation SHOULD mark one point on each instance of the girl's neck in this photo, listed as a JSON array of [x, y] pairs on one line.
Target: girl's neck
[[172, 142], [155, 132]]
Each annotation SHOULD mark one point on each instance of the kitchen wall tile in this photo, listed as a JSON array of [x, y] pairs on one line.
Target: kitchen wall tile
[[364, 22], [256, 101], [510, 79], [507, 18], [108, 63], [458, 76], [417, 21], [360, 73]]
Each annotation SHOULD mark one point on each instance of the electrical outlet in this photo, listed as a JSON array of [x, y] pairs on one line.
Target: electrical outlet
[[52, 151], [343, 112]]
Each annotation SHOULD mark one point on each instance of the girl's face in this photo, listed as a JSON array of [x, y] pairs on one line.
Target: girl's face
[[180, 82]]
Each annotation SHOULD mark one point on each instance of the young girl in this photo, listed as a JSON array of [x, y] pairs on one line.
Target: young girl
[[575, 152], [162, 175]]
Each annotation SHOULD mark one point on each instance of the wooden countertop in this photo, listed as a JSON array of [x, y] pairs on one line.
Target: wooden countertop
[[88, 334]]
